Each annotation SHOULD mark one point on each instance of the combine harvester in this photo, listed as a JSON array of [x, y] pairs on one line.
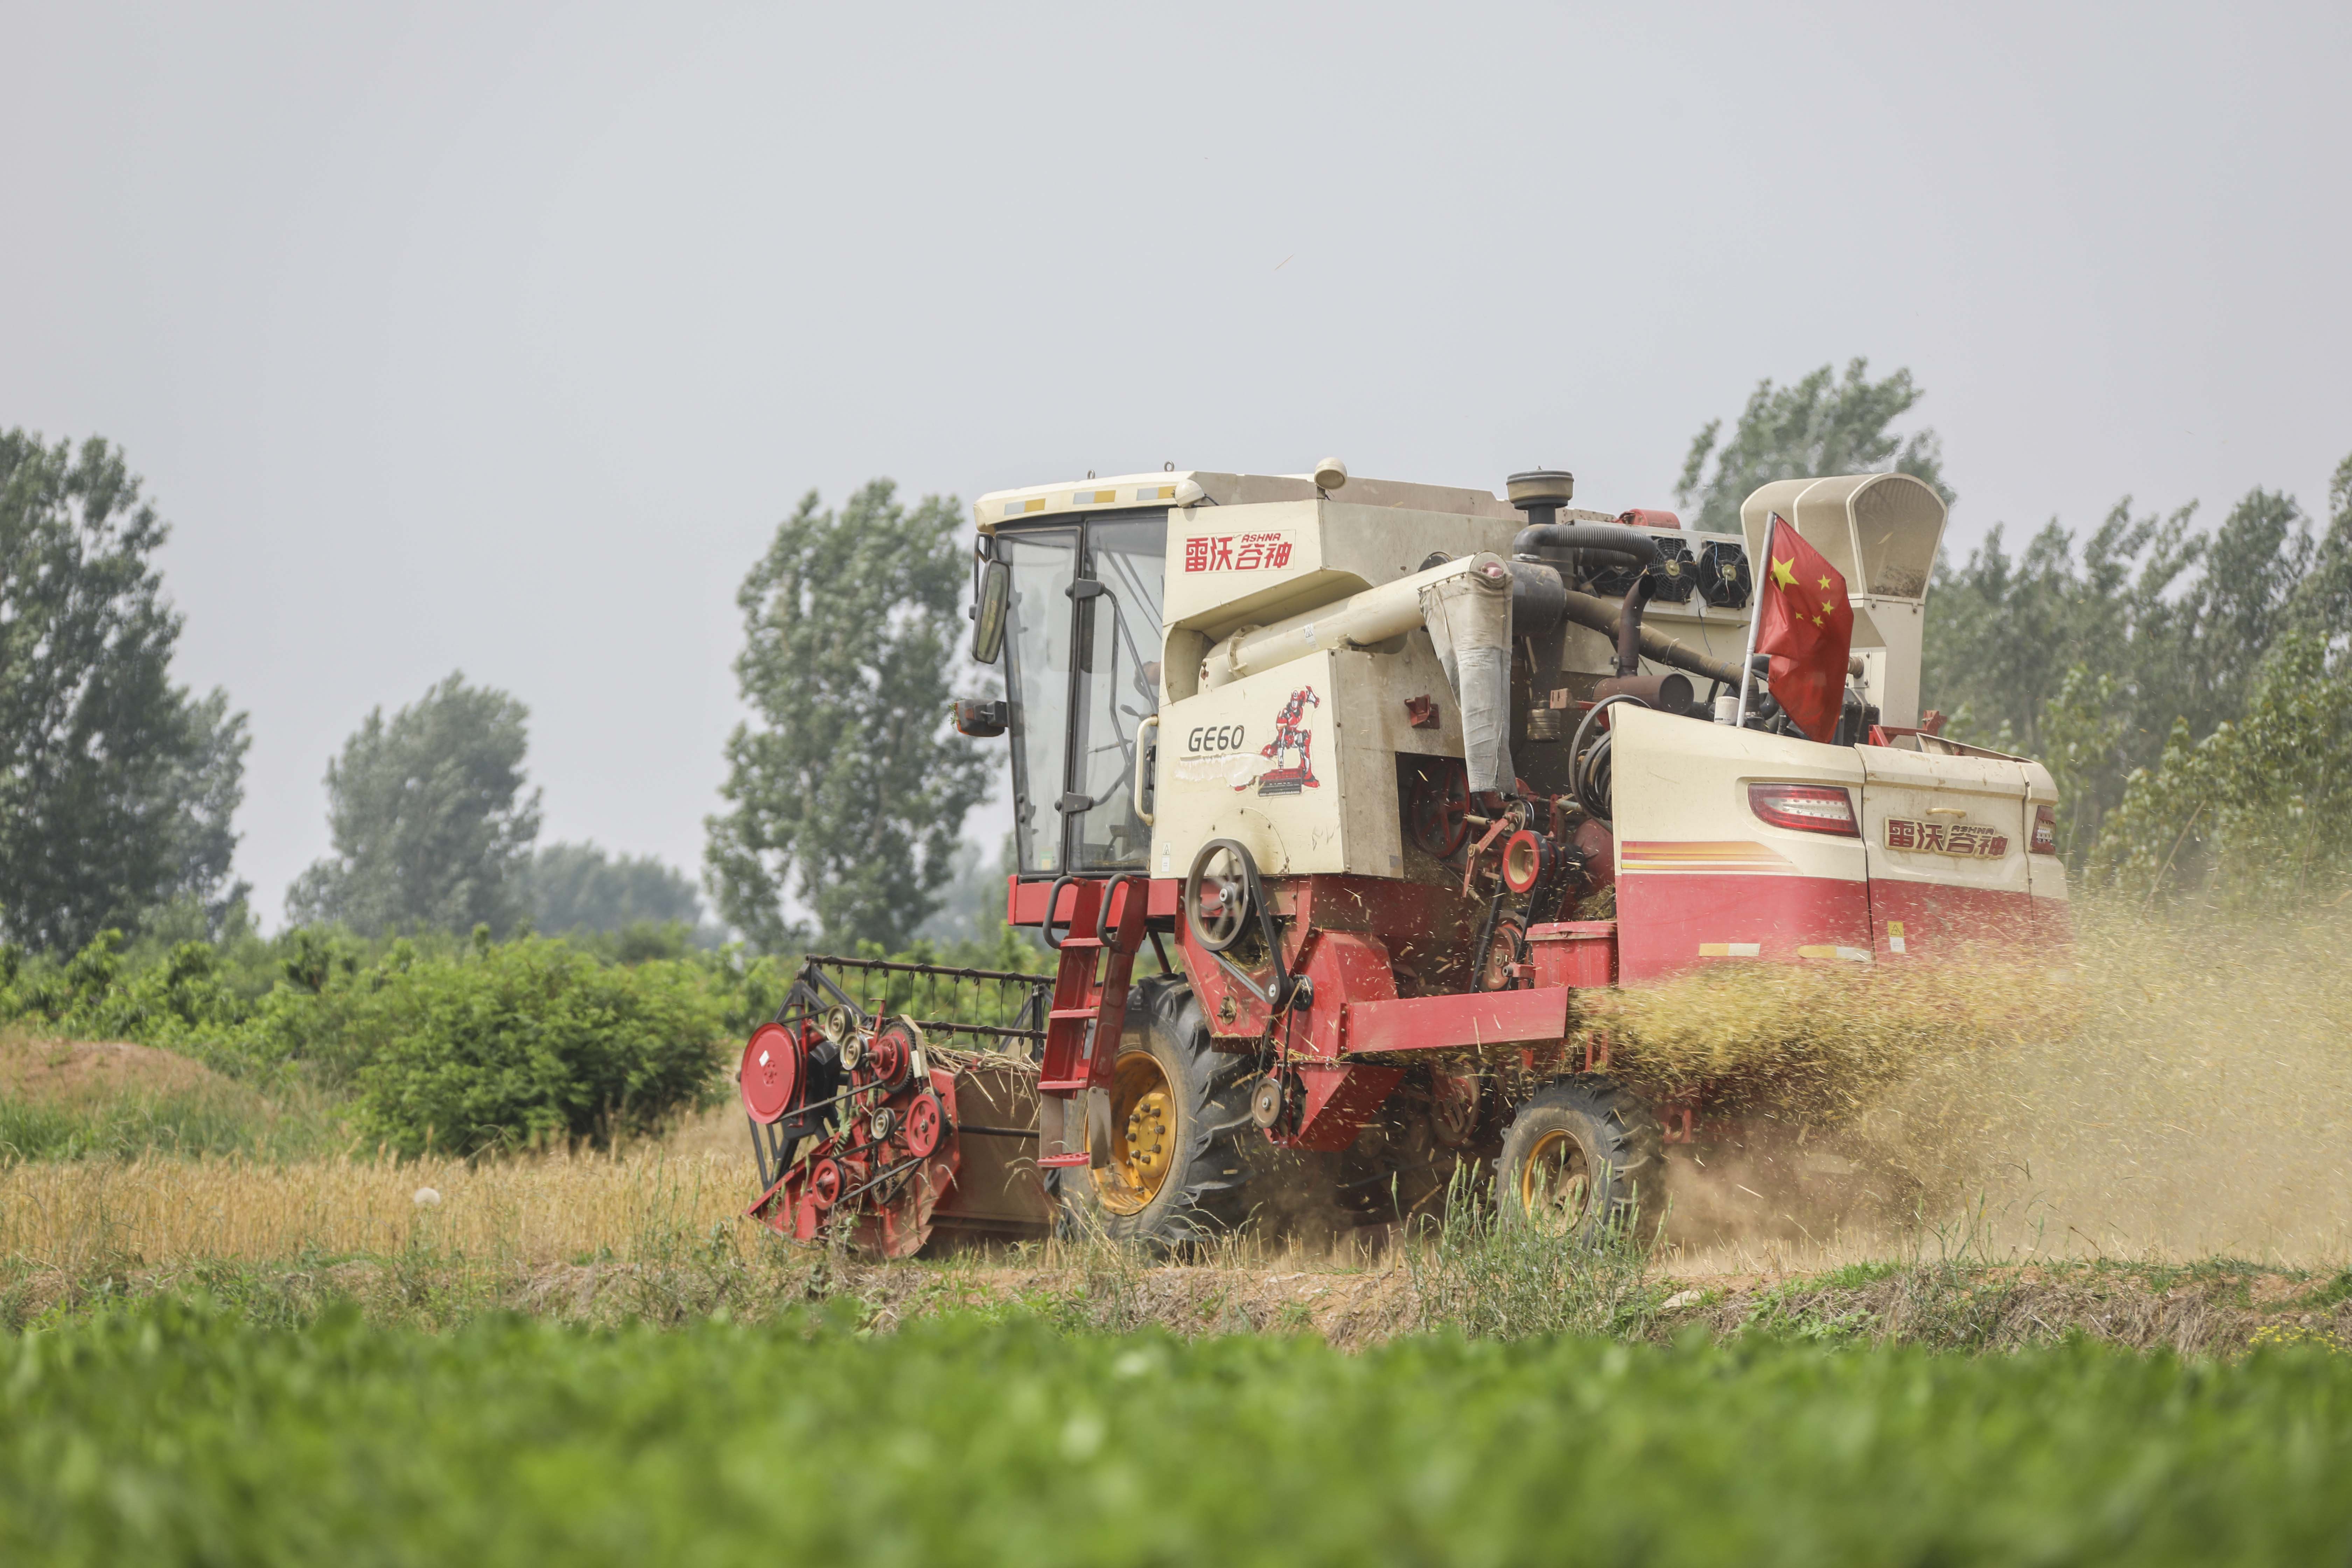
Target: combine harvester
[[1413, 777]]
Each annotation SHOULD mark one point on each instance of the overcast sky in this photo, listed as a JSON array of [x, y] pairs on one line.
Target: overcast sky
[[499, 338]]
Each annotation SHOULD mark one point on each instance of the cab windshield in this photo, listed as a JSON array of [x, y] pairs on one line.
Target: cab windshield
[[1081, 650]]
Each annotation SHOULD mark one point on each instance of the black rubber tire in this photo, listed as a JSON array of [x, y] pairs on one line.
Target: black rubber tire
[[1618, 1140], [1224, 1171], [1399, 1171]]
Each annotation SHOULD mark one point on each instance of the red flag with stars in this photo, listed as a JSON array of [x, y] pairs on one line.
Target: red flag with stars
[[1806, 623]]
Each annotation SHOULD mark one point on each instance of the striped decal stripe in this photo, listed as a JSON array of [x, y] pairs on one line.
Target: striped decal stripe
[[1685, 854]]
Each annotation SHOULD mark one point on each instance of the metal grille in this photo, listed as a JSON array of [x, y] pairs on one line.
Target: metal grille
[[993, 1010], [1003, 1008]]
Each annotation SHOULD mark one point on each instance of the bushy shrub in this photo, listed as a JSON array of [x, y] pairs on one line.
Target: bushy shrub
[[525, 1042], [473, 1044], [182, 997]]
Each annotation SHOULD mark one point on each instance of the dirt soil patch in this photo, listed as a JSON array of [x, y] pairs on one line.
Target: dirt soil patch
[[35, 1067]]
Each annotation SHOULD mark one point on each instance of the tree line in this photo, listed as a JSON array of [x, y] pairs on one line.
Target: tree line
[[2188, 687], [117, 785]]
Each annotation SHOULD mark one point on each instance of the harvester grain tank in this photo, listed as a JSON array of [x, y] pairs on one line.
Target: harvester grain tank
[[1410, 778]]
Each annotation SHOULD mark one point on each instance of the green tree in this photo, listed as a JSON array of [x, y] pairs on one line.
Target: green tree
[[2322, 602], [972, 905], [116, 786], [2157, 623], [2082, 735], [1818, 425], [430, 821], [2257, 812], [847, 787], [578, 887]]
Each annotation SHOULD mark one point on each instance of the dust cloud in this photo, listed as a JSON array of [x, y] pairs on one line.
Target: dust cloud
[[2178, 1089]]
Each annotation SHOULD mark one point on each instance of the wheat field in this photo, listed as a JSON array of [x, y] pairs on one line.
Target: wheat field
[[551, 1208], [2180, 1090]]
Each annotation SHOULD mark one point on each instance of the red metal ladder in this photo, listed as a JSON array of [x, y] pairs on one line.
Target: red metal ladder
[[1089, 1009]]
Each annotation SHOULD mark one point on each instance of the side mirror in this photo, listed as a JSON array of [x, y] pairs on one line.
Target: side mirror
[[981, 719], [988, 611]]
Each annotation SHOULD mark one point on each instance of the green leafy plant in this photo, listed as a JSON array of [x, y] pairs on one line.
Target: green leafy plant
[[174, 1433], [525, 1042]]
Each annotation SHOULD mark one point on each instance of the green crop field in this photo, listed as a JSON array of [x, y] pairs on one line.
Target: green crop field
[[170, 1433]]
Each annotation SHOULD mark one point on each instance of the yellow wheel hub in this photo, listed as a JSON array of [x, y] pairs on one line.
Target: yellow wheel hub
[[1143, 1134], [1556, 1183]]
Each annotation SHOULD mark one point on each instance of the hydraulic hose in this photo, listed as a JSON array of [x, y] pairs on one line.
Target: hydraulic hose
[[1586, 783], [1629, 624], [1543, 541], [1601, 615]]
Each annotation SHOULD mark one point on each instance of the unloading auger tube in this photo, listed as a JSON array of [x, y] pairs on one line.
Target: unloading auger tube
[[1473, 607], [1466, 607]]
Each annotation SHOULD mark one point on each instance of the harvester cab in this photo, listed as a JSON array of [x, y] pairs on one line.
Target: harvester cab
[[1411, 776]]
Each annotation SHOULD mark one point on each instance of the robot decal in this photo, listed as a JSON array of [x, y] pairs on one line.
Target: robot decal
[[1290, 735]]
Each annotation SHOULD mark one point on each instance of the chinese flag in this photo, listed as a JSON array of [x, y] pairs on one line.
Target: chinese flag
[[1806, 623]]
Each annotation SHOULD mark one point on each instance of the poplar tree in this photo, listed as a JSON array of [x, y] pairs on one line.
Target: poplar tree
[[116, 785], [2098, 655], [430, 823], [847, 790], [1816, 425]]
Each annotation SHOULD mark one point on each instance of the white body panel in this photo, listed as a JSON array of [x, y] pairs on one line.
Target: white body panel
[[1942, 859]]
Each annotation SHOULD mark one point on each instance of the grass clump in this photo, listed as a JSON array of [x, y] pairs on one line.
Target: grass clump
[[1482, 1273], [213, 1120]]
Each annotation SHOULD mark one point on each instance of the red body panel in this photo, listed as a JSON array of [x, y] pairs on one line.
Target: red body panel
[[1339, 1099], [1933, 920], [1665, 919], [1574, 952], [1452, 1023], [1355, 938], [1024, 902]]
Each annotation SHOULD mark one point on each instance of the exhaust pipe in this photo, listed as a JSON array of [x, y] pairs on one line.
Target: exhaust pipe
[[1539, 601], [1549, 541]]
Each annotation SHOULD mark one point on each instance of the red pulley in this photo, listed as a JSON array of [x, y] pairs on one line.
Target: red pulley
[[1527, 856], [892, 1053], [925, 1121], [771, 1075], [824, 1182]]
